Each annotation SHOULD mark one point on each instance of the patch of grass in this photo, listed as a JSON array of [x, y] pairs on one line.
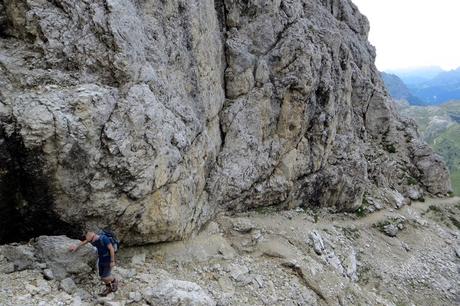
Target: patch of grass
[[351, 233], [390, 148], [455, 179], [411, 181], [455, 222], [435, 208], [264, 210], [362, 210]]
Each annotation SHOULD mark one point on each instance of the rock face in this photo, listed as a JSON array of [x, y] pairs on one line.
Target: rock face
[[151, 116]]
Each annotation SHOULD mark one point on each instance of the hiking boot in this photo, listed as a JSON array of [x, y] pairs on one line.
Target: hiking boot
[[114, 285], [106, 291]]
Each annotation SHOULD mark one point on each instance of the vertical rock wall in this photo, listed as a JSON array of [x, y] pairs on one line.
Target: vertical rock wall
[[150, 116]]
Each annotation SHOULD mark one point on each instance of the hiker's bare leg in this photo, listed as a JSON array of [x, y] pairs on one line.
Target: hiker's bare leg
[[107, 280]]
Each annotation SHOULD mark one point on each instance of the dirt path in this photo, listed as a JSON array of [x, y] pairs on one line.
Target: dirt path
[[375, 217]]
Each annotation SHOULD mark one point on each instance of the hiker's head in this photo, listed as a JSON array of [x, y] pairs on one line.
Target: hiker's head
[[90, 236]]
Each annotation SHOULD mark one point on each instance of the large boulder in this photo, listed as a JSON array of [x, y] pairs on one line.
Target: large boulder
[[54, 251], [50, 253], [151, 116]]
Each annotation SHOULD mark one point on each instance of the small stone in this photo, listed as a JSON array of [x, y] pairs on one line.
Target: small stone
[[243, 225], [68, 285], [457, 252], [405, 247], [48, 274], [43, 286], [135, 296], [258, 281], [318, 244], [238, 272], [83, 294], [125, 273], [32, 289], [112, 303], [390, 230], [76, 301], [138, 260]]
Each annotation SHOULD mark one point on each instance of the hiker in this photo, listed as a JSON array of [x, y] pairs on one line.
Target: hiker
[[106, 261]]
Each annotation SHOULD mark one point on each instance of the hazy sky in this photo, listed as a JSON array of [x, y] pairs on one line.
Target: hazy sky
[[414, 33]]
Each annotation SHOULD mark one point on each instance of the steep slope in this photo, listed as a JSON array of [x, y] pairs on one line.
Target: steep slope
[[415, 76], [433, 86], [398, 90], [440, 128], [151, 116]]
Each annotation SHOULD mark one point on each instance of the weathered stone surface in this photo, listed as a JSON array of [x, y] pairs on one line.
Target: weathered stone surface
[[176, 292], [50, 255], [18, 257], [68, 285], [150, 116], [54, 251]]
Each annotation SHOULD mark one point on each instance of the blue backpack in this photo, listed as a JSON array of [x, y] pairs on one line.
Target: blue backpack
[[112, 237]]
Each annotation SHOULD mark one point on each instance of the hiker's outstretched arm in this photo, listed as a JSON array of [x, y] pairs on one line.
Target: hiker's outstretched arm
[[73, 248], [112, 255]]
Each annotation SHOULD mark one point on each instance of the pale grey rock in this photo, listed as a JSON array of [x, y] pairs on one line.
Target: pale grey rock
[[138, 259], [317, 241], [243, 225], [457, 252], [125, 273], [334, 261], [414, 194], [239, 273], [83, 294], [176, 292], [77, 301], [68, 285], [135, 296], [43, 287], [18, 257], [48, 274], [351, 265], [149, 117], [390, 230], [31, 289], [7, 268], [54, 250]]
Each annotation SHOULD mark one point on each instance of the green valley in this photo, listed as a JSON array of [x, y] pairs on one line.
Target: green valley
[[440, 127]]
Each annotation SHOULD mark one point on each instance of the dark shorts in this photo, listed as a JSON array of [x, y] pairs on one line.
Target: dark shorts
[[104, 269]]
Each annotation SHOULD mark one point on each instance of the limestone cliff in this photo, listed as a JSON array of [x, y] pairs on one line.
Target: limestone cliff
[[150, 116]]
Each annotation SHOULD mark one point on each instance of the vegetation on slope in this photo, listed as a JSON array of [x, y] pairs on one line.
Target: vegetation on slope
[[440, 127]]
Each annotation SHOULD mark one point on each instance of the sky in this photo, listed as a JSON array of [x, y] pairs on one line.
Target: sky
[[414, 33]]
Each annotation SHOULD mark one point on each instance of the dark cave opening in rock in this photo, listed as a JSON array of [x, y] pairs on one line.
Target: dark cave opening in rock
[[25, 196]]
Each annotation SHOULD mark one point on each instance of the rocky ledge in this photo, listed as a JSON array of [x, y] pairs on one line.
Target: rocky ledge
[[393, 257]]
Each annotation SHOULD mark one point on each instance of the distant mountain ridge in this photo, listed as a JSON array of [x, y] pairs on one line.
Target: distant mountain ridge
[[414, 76], [398, 89], [424, 86]]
